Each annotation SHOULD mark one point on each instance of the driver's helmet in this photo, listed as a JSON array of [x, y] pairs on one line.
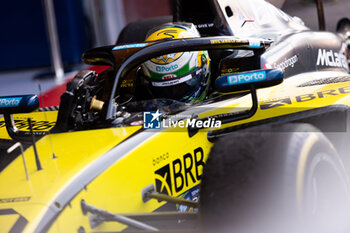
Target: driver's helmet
[[182, 76]]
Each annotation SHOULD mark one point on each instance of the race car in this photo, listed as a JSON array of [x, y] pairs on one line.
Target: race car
[[266, 151]]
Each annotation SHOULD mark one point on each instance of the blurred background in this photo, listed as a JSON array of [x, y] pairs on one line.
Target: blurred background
[[26, 54]]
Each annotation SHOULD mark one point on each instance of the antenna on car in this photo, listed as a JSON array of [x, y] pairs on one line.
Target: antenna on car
[[37, 160], [15, 146], [49, 134], [320, 14]]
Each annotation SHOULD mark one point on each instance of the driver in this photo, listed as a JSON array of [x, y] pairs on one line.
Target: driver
[[182, 76]]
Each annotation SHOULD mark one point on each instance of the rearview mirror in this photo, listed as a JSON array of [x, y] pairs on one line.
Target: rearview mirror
[[245, 80], [18, 104]]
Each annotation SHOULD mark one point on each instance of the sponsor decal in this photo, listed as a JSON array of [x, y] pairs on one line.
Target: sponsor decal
[[274, 103], [14, 199], [37, 125], [205, 25], [268, 104], [246, 78], [331, 59], [136, 123], [288, 62], [152, 120], [225, 41], [165, 69], [130, 46], [181, 173], [163, 181], [172, 82], [172, 64], [193, 195], [169, 76], [160, 159], [229, 71], [10, 102], [127, 83], [254, 43]]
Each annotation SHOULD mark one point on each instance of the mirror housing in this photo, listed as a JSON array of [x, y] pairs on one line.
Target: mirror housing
[[245, 80], [18, 104]]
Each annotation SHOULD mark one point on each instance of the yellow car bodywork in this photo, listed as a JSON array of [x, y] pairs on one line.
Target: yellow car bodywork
[[110, 167]]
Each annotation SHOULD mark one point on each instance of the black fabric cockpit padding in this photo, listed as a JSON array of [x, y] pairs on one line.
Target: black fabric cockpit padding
[[136, 31]]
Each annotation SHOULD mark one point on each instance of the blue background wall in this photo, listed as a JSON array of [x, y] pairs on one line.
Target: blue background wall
[[23, 34]]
